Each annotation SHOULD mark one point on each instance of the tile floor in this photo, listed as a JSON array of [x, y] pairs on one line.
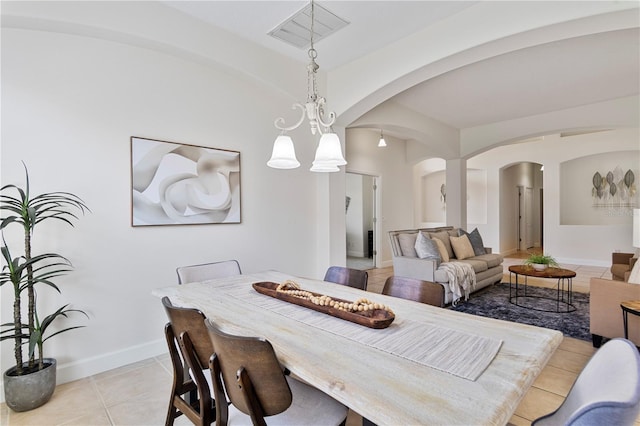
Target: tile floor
[[137, 394]]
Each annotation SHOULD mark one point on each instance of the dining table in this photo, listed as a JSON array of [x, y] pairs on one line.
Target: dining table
[[430, 366]]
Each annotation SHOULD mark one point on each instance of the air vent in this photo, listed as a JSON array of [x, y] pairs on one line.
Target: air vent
[[296, 30]]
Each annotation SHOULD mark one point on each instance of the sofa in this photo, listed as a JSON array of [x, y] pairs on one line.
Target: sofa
[[406, 263], [605, 314]]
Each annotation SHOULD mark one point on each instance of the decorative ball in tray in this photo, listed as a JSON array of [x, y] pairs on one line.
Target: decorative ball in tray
[[362, 311]]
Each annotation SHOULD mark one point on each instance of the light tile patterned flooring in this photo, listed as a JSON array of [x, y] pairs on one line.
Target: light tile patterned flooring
[[137, 394]]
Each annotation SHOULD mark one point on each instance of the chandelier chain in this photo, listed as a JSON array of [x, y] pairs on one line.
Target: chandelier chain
[[312, 68]]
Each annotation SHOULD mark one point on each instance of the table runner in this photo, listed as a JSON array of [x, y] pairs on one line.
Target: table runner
[[451, 351]]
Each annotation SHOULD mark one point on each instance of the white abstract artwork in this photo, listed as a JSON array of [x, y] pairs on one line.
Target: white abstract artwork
[[178, 184]]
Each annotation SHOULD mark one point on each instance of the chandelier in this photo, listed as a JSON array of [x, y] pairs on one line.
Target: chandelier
[[329, 152]]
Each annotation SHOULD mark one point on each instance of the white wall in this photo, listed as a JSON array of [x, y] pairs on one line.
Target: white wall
[[434, 207], [395, 188], [582, 244], [70, 105], [577, 204]]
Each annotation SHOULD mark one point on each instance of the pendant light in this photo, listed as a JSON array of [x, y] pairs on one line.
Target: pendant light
[[382, 143], [329, 152]]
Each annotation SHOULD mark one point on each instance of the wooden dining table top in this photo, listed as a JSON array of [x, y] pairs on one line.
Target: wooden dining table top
[[386, 384]]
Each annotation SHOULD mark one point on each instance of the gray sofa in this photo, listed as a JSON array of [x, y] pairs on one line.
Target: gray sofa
[[406, 263]]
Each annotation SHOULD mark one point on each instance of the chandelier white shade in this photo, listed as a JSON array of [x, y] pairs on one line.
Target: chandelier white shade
[[329, 152], [283, 155], [328, 155], [382, 143]]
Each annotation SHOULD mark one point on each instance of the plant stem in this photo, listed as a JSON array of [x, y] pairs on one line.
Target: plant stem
[[30, 291], [18, 332]]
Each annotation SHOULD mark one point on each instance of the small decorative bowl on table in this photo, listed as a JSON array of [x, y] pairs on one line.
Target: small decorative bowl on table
[[541, 262]]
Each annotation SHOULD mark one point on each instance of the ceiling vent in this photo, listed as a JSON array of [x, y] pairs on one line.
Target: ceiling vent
[[296, 30]]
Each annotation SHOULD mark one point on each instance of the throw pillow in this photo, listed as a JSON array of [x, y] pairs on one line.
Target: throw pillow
[[427, 248], [444, 237], [407, 244], [462, 247], [476, 241], [444, 255]]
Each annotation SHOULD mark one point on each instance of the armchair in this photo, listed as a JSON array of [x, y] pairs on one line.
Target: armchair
[[605, 315], [621, 265]]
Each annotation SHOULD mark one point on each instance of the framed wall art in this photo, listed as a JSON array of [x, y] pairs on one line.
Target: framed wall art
[[615, 188], [180, 184]]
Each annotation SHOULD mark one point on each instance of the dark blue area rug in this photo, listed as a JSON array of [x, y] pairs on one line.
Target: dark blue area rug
[[493, 302]]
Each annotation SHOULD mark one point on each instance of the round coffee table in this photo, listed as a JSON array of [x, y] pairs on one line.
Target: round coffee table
[[564, 295]]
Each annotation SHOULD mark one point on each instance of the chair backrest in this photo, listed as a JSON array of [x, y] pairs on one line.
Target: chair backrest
[[607, 391], [190, 321], [347, 276], [252, 375], [414, 289], [207, 271]]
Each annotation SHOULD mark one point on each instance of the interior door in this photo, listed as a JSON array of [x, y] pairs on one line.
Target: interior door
[[528, 217], [525, 218]]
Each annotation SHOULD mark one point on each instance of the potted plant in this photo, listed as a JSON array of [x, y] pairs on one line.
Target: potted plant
[[30, 383], [540, 262]]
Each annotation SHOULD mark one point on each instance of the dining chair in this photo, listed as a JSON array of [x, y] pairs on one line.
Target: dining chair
[[414, 289], [191, 389], [606, 392], [347, 276], [257, 387], [208, 271]]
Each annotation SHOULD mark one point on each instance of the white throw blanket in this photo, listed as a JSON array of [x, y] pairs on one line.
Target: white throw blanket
[[462, 279]]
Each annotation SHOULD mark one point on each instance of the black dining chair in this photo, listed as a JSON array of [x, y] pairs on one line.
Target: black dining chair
[[347, 276]]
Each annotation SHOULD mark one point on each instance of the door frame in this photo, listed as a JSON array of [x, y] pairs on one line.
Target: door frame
[[377, 213]]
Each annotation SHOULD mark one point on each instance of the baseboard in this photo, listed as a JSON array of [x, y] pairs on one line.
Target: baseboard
[[508, 252], [88, 367], [584, 262], [352, 253]]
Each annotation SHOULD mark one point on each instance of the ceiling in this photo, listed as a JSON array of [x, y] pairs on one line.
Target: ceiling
[[372, 24], [539, 79]]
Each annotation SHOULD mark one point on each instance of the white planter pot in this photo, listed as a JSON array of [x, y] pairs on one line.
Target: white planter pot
[[539, 266]]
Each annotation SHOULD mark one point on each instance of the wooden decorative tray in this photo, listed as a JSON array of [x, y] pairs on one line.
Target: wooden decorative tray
[[376, 318]]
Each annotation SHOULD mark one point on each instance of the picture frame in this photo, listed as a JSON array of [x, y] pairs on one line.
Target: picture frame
[[181, 184]]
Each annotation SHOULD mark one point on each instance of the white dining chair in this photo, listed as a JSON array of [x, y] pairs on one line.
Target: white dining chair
[[208, 271], [607, 391]]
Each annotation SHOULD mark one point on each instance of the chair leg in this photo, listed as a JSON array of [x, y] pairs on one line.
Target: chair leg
[[596, 340], [172, 413], [180, 386]]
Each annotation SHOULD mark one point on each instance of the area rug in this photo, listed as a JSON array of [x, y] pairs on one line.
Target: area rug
[[493, 302]]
